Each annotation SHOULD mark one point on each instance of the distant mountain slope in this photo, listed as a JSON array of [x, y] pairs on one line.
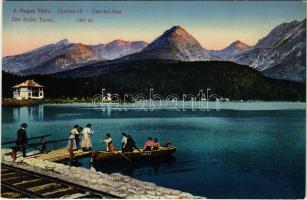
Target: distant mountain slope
[[281, 54], [64, 55], [70, 57], [118, 48], [231, 51], [295, 71], [50, 58], [99, 50], [32, 58], [173, 44]]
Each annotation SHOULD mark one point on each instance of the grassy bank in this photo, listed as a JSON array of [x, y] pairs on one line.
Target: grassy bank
[[34, 102]]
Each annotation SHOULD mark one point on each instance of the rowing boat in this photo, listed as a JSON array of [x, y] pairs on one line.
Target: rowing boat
[[118, 156]]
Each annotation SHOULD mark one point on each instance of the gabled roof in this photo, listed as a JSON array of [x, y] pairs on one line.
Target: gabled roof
[[28, 83]]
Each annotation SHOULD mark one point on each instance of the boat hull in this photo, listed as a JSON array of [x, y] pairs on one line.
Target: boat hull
[[104, 156]]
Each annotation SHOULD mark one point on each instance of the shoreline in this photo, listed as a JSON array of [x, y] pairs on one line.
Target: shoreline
[[115, 183], [36, 102]]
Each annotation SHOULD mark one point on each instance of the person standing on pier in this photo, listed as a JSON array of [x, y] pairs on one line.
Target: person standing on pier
[[80, 129], [86, 142], [21, 141], [75, 132], [72, 142]]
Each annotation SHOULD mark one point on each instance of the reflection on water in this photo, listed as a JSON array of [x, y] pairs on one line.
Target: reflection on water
[[233, 153], [24, 114], [155, 167]]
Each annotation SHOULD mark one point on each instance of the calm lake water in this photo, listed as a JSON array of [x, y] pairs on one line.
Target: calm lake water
[[245, 150]]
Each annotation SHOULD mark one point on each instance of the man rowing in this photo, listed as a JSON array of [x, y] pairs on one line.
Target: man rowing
[[130, 145]]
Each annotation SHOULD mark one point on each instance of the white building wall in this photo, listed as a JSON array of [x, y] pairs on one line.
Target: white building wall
[[26, 93], [16, 93], [41, 93]]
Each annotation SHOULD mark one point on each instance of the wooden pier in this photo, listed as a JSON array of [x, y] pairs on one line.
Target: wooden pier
[[62, 154], [20, 183], [55, 155]]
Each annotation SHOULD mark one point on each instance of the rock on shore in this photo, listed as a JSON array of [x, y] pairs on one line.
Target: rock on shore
[[116, 183]]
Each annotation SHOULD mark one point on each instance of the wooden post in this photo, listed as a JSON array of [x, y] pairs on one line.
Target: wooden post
[[43, 142], [92, 157], [14, 152], [71, 152]]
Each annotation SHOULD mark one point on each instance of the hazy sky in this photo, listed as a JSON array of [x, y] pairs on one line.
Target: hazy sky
[[214, 24]]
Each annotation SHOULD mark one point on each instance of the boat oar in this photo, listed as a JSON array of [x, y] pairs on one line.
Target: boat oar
[[125, 157], [121, 154]]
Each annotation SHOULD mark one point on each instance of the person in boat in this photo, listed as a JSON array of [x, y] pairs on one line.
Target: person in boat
[[109, 143], [149, 144], [124, 140], [156, 144], [21, 141], [168, 143], [86, 142], [72, 144], [130, 145]]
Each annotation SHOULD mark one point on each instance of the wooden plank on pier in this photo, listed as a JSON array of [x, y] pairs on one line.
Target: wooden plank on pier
[[61, 154]]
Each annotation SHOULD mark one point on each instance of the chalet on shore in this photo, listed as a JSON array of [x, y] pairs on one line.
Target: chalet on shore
[[28, 90]]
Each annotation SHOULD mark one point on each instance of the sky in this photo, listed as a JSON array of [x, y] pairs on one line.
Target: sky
[[214, 24]]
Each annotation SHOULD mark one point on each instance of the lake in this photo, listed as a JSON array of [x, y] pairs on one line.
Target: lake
[[242, 150]]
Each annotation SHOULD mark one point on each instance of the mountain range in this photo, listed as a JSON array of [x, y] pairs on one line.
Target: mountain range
[[231, 51], [117, 48], [281, 54], [173, 44], [63, 56]]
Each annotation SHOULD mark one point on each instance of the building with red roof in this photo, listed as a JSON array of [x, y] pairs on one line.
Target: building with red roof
[[28, 90]]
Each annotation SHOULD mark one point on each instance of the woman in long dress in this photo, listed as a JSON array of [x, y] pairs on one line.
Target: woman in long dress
[[86, 142], [72, 145]]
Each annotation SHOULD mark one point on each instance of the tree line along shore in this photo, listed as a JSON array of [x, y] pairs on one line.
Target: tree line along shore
[[226, 79]]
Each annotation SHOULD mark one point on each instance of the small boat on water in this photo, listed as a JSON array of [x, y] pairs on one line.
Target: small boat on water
[[105, 156]]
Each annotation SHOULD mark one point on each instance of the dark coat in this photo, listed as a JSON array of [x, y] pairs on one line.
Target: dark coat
[[130, 145], [21, 137]]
